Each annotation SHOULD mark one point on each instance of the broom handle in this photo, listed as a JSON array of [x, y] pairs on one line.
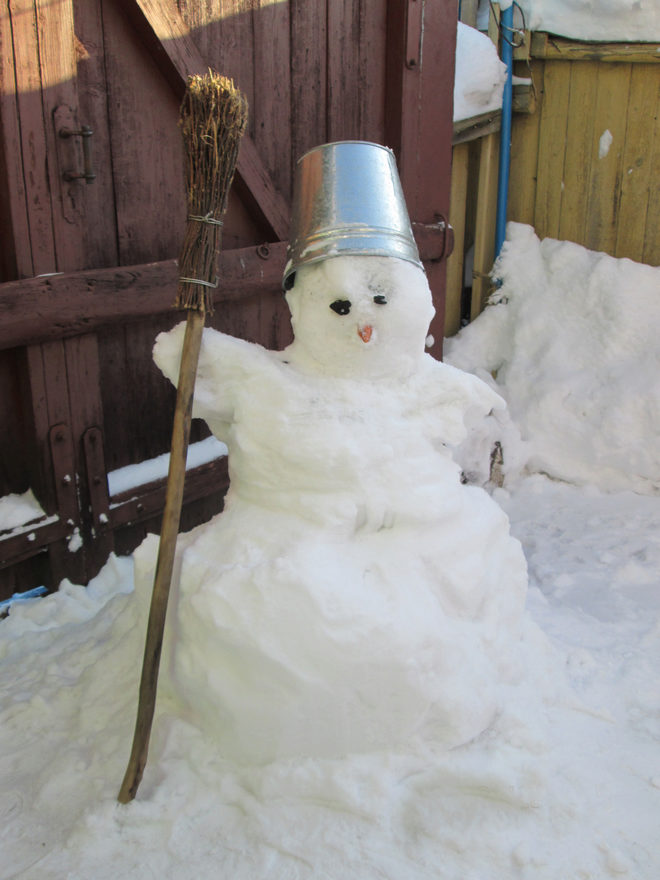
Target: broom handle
[[166, 549]]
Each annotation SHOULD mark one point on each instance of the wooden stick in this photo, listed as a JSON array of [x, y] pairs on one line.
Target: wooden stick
[[166, 550]]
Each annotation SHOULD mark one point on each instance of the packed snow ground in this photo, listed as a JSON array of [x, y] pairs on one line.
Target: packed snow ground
[[564, 783]]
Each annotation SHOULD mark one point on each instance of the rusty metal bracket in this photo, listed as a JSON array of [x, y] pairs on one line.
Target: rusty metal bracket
[[97, 481], [435, 241]]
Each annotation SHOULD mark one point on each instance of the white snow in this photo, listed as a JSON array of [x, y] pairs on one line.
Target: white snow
[[604, 143], [565, 780], [18, 509], [595, 20], [479, 74], [133, 475], [573, 340]]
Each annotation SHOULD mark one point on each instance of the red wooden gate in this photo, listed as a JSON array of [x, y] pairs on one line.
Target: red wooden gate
[[88, 266]]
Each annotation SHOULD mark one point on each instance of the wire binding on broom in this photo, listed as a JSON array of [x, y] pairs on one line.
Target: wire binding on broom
[[213, 118]]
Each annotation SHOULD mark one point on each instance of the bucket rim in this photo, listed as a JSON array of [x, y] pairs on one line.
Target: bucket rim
[[340, 143]]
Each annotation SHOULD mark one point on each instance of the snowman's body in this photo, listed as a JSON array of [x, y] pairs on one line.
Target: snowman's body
[[353, 593]]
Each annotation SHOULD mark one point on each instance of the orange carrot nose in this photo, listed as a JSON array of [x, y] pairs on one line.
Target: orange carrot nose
[[365, 332]]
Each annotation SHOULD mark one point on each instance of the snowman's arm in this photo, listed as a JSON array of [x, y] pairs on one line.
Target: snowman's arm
[[224, 364], [455, 399]]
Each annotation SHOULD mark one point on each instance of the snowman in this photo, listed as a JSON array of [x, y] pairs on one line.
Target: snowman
[[354, 595]]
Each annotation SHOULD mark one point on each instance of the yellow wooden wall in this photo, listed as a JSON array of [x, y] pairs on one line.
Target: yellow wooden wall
[[559, 183]]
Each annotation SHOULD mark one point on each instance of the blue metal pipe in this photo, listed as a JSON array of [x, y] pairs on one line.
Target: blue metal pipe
[[506, 27]]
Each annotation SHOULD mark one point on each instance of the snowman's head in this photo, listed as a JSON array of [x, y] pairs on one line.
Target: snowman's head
[[361, 316]]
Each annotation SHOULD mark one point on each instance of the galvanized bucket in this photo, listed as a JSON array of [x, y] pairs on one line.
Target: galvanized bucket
[[347, 199]]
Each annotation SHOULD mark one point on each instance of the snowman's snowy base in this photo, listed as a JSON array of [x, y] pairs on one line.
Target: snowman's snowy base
[[325, 648]]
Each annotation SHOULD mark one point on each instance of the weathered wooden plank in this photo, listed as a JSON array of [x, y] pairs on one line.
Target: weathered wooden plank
[[640, 188], [32, 386], [459, 185], [552, 148], [37, 225], [13, 471], [58, 70], [65, 305], [144, 502], [476, 126], [129, 508], [468, 12], [100, 230], [309, 37], [578, 157], [15, 250], [555, 48], [269, 110], [419, 96], [343, 70], [651, 254], [163, 32], [15, 548], [484, 233], [605, 178], [524, 159], [79, 302], [147, 152], [403, 85], [372, 68], [33, 572]]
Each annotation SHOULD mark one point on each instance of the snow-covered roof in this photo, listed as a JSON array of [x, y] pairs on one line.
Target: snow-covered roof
[[626, 21]]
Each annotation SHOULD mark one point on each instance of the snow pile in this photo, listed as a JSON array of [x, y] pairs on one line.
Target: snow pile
[[479, 74], [597, 20], [573, 340]]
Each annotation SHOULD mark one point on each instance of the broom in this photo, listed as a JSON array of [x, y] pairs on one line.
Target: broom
[[213, 117]]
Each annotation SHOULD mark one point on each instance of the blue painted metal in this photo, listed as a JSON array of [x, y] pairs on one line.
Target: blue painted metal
[[506, 29], [22, 597]]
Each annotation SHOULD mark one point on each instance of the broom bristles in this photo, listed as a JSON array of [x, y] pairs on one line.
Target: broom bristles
[[213, 117]]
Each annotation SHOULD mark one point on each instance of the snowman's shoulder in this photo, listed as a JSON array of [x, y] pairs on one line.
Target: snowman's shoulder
[[445, 384]]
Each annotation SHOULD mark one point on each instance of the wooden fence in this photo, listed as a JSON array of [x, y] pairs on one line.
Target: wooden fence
[[586, 166], [585, 160], [79, 394]]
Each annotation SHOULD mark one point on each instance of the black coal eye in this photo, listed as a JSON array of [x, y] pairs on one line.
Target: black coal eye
[[341, 306], [380, 299]]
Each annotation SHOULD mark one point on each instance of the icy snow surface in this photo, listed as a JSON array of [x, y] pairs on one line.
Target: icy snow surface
[[564, 783]]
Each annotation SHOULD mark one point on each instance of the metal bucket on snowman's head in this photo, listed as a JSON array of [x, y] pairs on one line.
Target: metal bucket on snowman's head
[[347, 200]]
